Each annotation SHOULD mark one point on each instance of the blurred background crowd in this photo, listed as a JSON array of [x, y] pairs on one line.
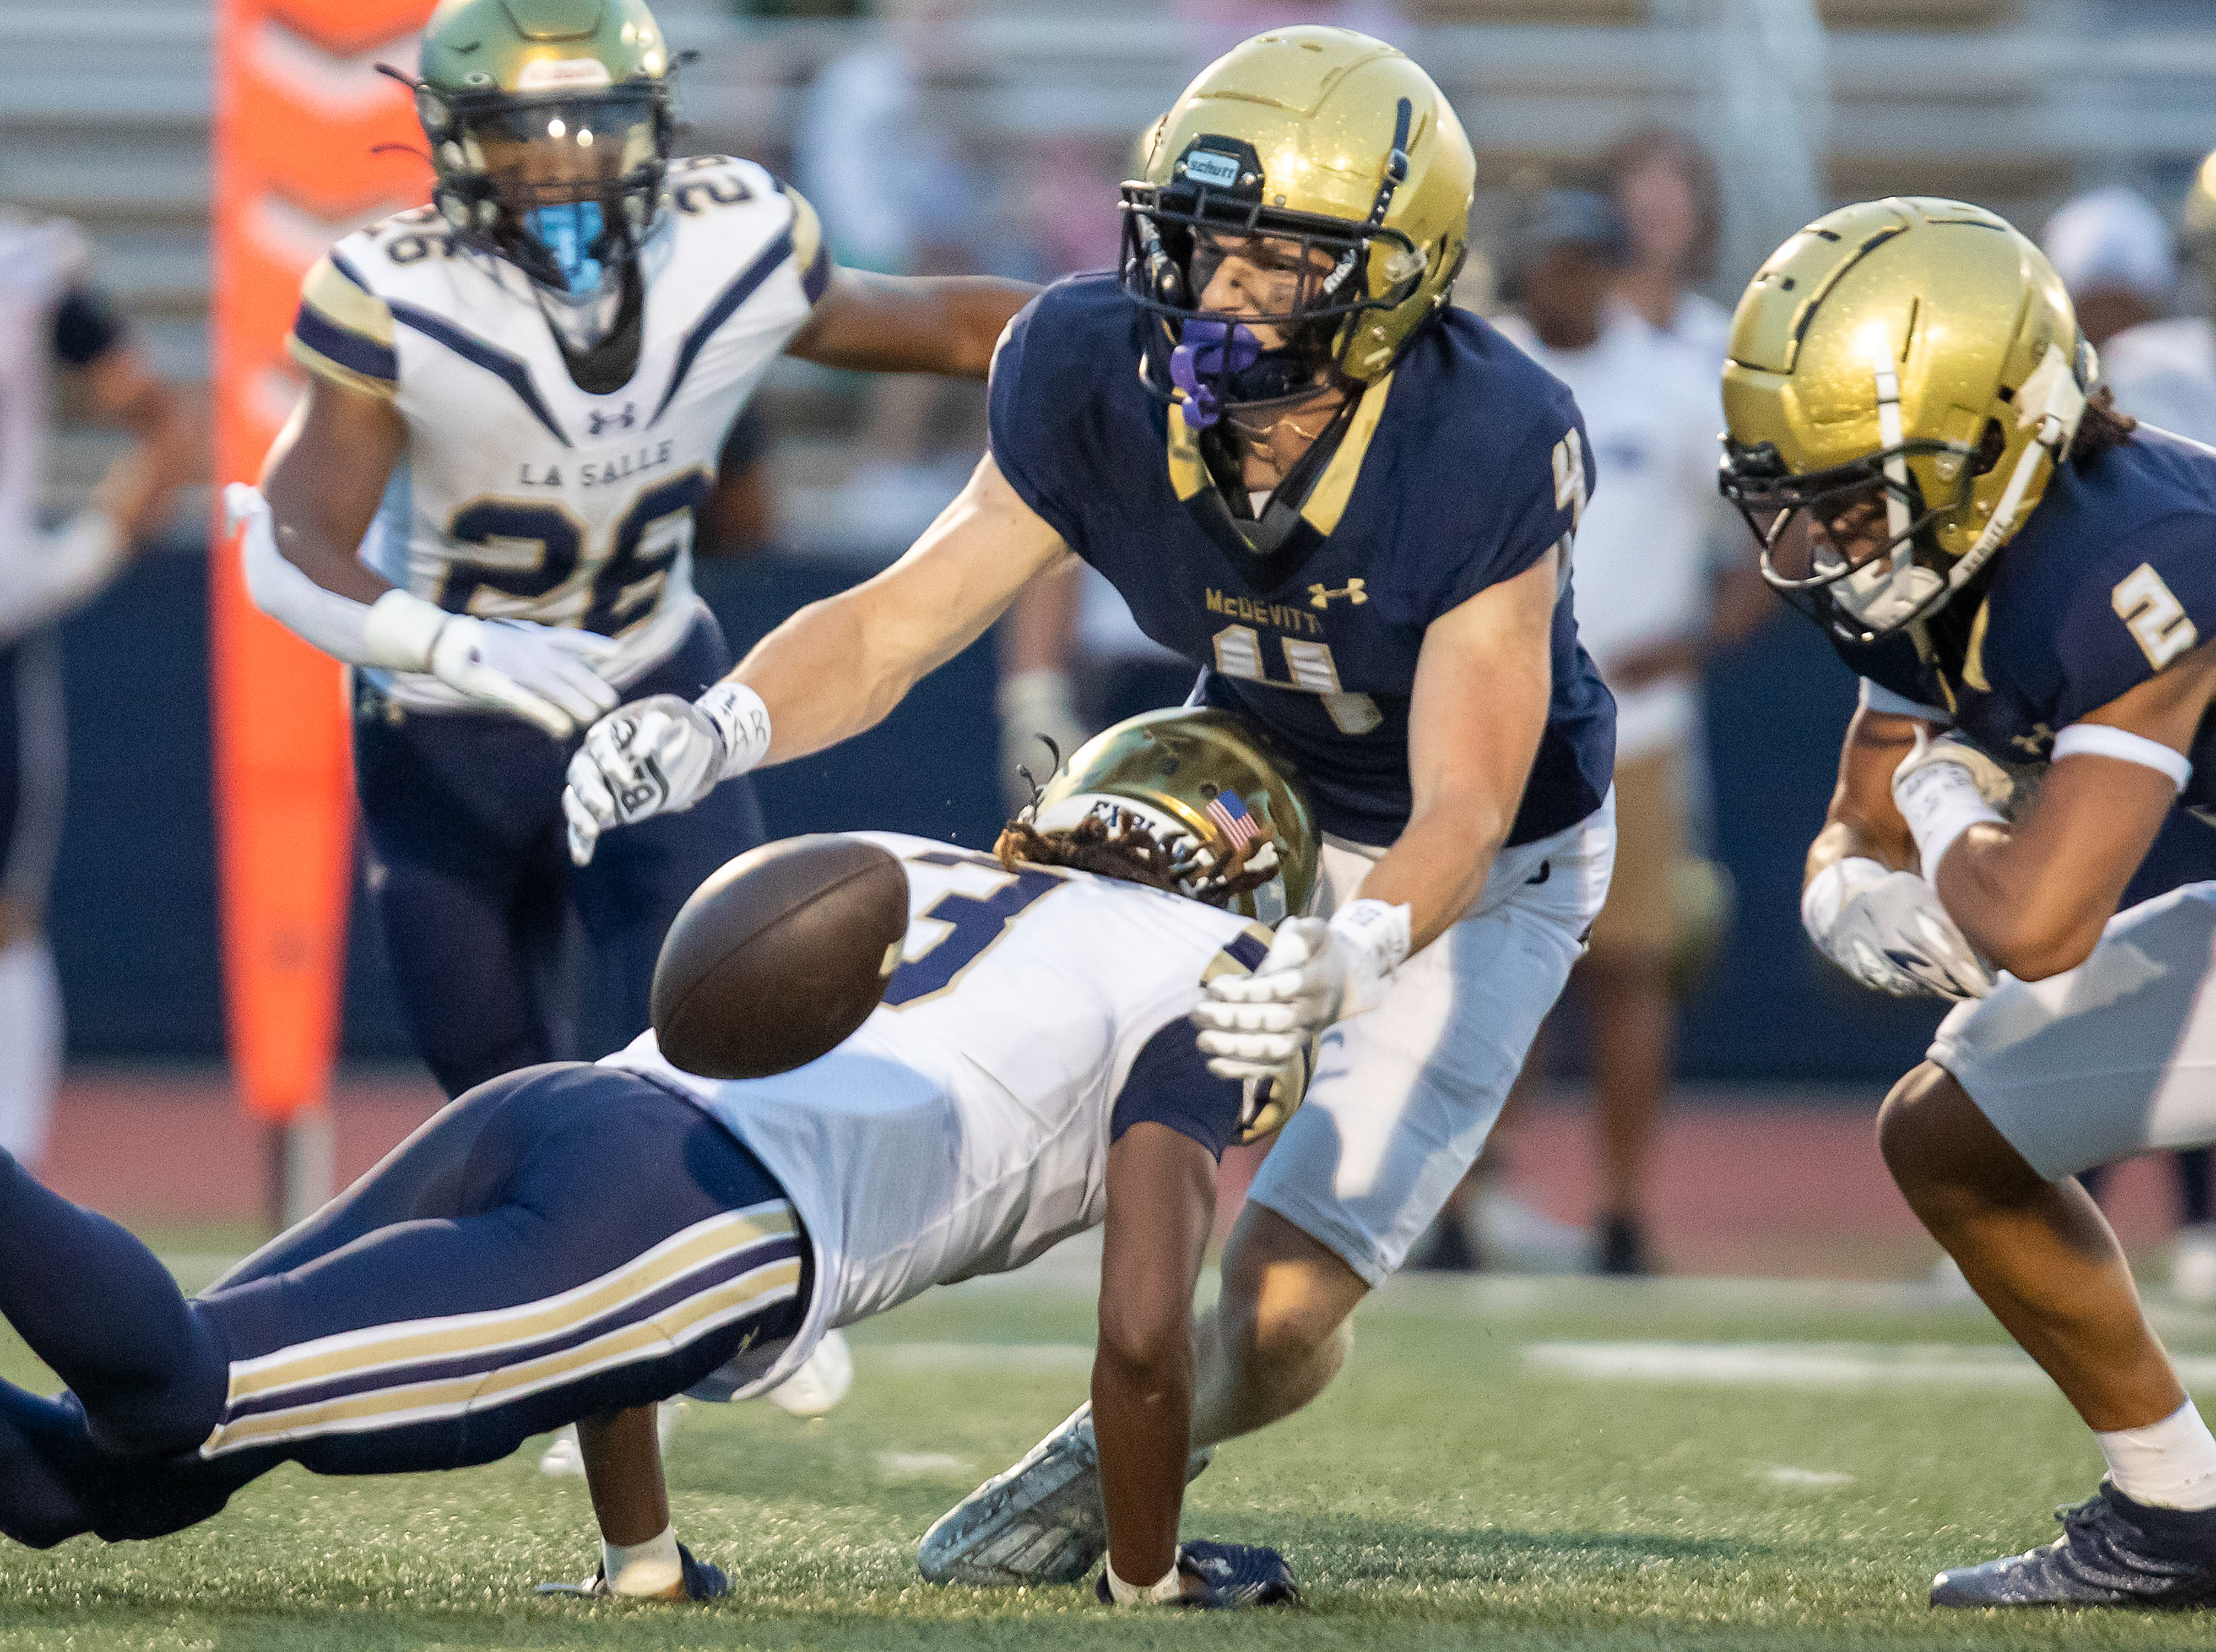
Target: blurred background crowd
[[1638, 158]]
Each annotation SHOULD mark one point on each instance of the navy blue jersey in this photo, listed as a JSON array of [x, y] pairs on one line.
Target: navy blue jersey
[[1455, 473], [2112, 579]]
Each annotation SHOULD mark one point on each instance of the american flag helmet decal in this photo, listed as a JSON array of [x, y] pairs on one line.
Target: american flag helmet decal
[[1229, 813]]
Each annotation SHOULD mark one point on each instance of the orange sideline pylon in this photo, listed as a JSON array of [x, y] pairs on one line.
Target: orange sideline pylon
[[299, 107]]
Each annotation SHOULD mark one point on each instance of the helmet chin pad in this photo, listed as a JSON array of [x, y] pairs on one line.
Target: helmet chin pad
[[1883, 592]]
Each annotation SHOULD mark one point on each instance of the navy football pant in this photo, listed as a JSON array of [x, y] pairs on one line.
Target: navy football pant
[[469, 872], [563, 1242]]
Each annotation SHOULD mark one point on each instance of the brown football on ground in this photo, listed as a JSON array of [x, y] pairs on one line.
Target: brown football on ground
[[778, 956]]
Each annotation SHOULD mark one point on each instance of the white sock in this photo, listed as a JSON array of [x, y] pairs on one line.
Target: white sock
[[30, 1048], [2170, 1463], [648, 1568]]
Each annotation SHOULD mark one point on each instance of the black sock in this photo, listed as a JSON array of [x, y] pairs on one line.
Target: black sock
[[96, 1306]]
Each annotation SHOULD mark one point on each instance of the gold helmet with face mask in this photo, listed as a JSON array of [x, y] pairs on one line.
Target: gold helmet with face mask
[[1904, 375], [1196, 802], [1337, 146]]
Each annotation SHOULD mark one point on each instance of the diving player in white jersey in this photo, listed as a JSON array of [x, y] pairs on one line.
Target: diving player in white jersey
[[51, 316], [486, 502], [573, 1243]]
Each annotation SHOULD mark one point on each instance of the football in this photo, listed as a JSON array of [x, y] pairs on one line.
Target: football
[[778, 956]]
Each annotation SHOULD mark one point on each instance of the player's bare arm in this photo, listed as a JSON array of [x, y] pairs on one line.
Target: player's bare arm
[[946, 325], [2034, 895], [1479, 709], [1161, 1200], [833, 670], [324, 478], [1862, 820]]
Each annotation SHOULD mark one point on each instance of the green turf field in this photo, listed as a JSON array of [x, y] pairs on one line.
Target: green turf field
[[1448, 1491]]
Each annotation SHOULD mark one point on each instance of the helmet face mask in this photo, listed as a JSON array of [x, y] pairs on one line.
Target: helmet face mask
[[565, 186], [1301, 212], [1852, 547]]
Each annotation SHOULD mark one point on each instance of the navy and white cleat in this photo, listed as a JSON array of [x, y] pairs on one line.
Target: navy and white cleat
[[1232, 1576], [1038, 1522], [2113, 1552], [703, 1580]]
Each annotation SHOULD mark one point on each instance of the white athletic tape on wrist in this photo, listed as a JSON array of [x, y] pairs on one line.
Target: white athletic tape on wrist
[[649, 1567], [1941, 801], [2098, 739], [400, 631], [743, 720], [1168, 1588]]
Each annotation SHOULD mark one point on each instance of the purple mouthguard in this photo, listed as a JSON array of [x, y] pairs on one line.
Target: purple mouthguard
[[1216, 349]]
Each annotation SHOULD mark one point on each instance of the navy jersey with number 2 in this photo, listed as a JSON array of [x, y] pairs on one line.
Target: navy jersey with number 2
[[1457, 472]]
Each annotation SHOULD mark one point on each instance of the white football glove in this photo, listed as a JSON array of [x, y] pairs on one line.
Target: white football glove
[[660, 756], [1254, 1026], [543, 673], [1888, 930]]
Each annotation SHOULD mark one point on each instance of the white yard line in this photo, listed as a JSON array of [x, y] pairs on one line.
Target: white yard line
[[1809, 1365]]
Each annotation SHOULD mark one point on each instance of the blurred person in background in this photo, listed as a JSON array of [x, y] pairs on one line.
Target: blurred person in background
[[899, 195], [52, 317], [2164, 369], [1664, 184], [1652, 599], [2116, 256]]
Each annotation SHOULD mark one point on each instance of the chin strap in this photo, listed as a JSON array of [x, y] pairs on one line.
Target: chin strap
[[2051, 400]]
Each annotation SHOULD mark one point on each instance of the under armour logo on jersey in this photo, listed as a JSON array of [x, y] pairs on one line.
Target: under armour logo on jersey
[[2037, 742], [1320, 596], [599, 423]]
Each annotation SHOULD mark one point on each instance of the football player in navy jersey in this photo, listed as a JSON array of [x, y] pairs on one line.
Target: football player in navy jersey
[[1350, 504], [2020, 575]]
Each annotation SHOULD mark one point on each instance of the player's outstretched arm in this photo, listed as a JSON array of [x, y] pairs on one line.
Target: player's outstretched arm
[[834, 669], [2034, 895], [946, 325], [322, 484], [1161, 1199]]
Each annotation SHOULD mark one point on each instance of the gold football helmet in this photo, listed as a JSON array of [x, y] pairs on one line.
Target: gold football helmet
[[1206, 788], [1344, 154], [1903, 377], [551, 128]]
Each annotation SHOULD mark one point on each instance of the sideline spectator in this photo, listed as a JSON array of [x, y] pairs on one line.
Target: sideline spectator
[[51, 316], [2164, 372], [1651, 600], [1664, 184]]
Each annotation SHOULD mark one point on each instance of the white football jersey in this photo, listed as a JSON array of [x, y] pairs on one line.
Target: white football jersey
[[38, 264], [522, 495], [964, 1128]]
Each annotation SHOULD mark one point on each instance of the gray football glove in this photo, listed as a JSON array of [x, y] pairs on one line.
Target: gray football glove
[[1888, 930]]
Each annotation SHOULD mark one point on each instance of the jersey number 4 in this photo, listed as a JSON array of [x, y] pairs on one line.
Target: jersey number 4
[[531, 549]]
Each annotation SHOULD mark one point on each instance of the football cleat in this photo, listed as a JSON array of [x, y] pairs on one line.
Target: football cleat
[[702, 1582], [2113, 1552], [1038, 1522], [1232, 1576]]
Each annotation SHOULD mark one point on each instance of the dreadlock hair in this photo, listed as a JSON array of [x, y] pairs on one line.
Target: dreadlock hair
[[1129, 850], [2102, 430]]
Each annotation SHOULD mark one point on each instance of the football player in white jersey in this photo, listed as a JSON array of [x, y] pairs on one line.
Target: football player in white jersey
[[572, 1242], [51, 316], [486, 501]]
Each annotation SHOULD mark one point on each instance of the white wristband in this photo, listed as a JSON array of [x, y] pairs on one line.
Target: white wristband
[[1376, 931], [743, 720], [1168, 1588], [400, 631], [1941, 801], [649, 1568], [2098, 739]]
